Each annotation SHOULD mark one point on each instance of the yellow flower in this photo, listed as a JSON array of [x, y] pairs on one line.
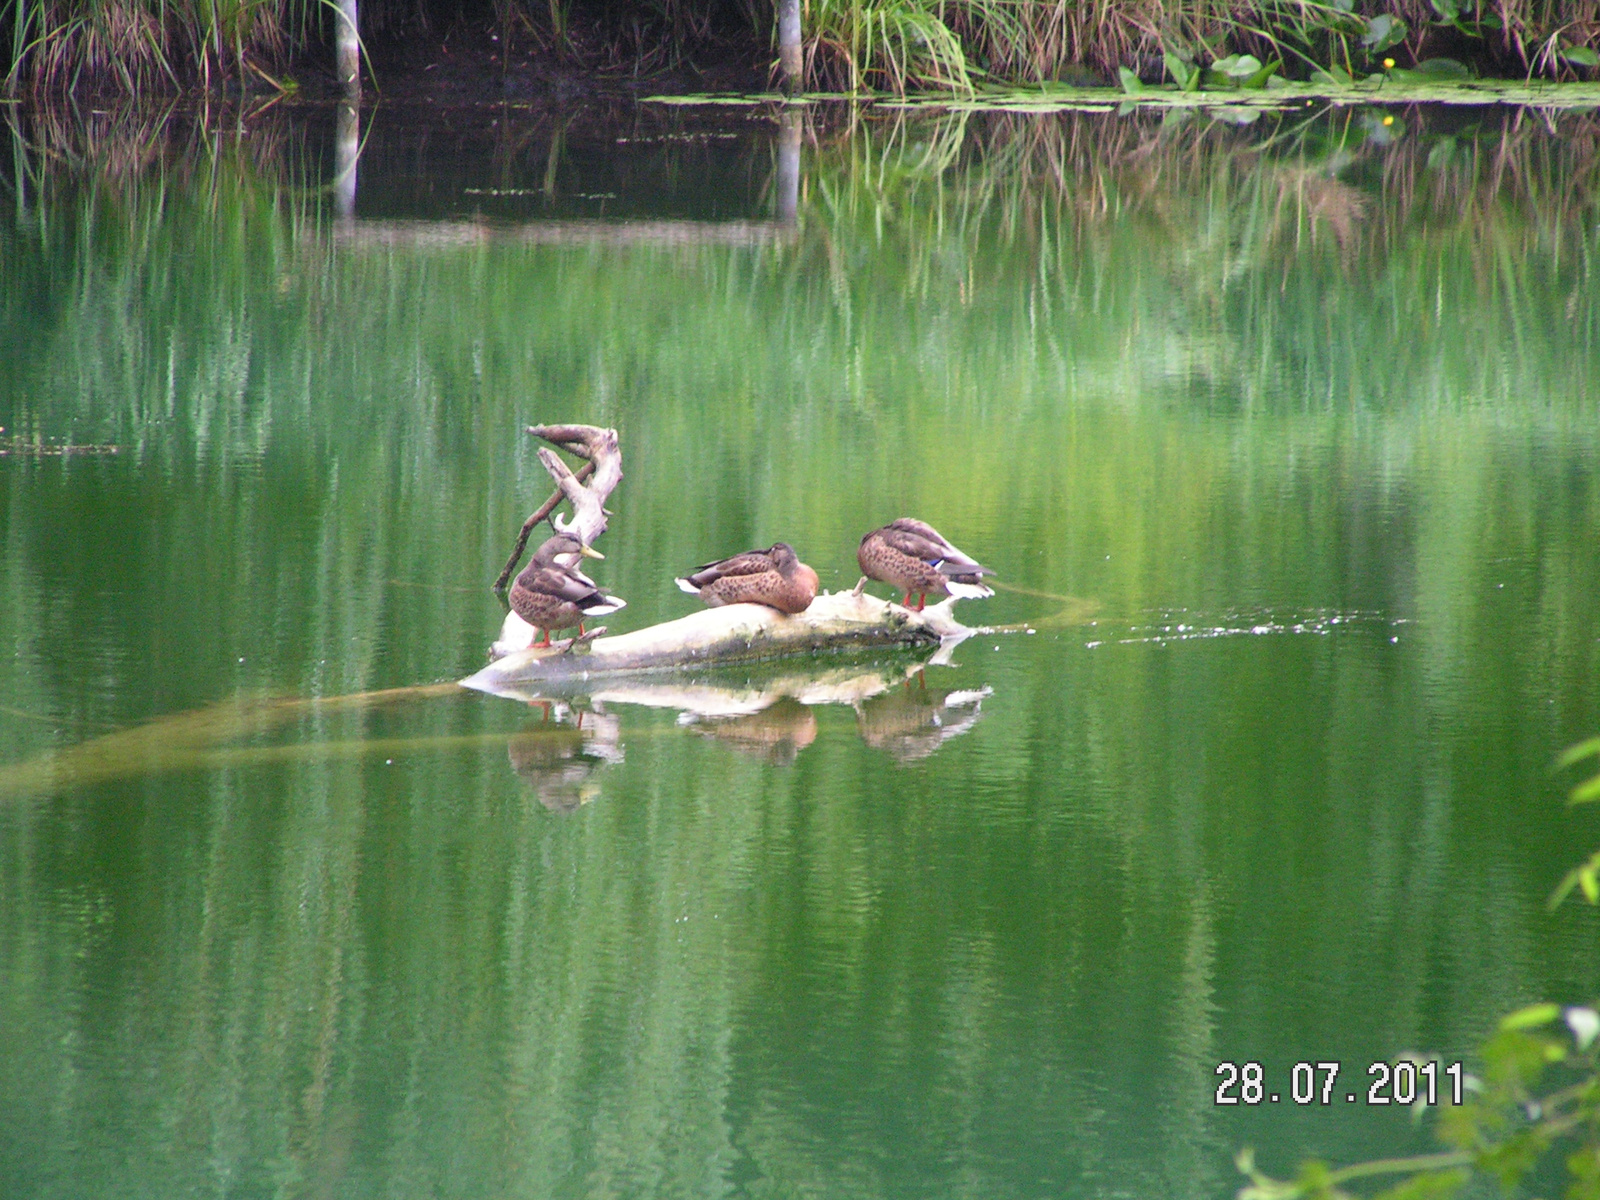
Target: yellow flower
[[1388, 120], [1388, 64]]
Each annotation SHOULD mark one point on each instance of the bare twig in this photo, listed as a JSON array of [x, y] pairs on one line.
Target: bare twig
[[604, 468], [543, 511]]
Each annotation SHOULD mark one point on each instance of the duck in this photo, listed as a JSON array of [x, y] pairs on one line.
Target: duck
[[915, 557], [775, 577], [551, 593]]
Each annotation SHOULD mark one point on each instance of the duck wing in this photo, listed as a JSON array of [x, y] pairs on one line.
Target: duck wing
[[559, 583], [752, 562], [921, 540]]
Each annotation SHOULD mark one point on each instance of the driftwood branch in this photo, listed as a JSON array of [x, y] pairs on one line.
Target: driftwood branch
[[604, 467], [734, 633], [539, 514]]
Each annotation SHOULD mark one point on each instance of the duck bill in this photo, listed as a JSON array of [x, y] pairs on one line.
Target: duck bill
[[589, 552]]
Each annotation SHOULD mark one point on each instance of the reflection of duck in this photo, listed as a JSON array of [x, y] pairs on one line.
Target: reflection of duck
[[911, 723], [775, 734], [551, 593], [556, 761], [915, 557], [774, 577]]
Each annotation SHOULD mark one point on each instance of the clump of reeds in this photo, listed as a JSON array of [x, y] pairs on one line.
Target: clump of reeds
[[854, 45], [139, 46], [951, 44]]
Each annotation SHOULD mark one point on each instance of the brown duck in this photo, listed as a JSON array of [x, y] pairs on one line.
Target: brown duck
[[915, 557], [775, 577], [551, 593]]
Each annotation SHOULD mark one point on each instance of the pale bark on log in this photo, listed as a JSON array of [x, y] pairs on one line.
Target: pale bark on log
[[735, 633]]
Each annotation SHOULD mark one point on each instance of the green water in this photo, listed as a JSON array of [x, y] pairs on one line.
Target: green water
[[1285, 440]]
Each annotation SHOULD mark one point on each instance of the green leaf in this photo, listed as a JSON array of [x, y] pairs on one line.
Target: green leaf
[[1183, 71], [1447, 9], [1338, 77], [1443, 151], [1581, 56], [1576, 754], [1383, 31], [1442, 68], [1430, 1185], [1531, 1017], [1130, 81], [1258, 78], [1238, 66], [1585, 792]]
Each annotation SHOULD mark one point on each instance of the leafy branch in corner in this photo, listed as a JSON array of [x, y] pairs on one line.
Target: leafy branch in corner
[[1538, 1095]]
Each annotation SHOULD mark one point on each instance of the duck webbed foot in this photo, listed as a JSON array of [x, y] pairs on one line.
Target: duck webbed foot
[[580, 644]]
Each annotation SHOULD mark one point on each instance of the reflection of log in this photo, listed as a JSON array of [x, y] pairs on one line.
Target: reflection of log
[[714, 697], [445, 234], [736, 633]]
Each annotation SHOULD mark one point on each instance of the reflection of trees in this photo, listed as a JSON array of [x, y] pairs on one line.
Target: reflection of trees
[[338, 953]]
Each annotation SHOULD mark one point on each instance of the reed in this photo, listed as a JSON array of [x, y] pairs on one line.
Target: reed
[[856, 45], [144, 46]]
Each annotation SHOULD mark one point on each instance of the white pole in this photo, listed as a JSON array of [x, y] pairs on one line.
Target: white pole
[[789, 58], [347, 47]]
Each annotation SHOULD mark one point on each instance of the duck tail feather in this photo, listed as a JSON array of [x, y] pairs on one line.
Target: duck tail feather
[[968, 591]]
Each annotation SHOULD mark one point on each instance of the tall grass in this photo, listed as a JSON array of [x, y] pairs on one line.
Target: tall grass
[[855, 45], [139, 46]]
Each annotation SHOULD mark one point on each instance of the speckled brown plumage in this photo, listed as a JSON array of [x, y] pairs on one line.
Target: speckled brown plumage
[[551, 593], [774, 577], [915, 557]]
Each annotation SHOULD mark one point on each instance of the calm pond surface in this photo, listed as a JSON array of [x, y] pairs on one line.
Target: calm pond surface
[[1282, 439]]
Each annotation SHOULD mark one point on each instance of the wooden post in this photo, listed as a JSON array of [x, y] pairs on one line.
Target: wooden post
[[347, 47], [789, 130], [790, 60]]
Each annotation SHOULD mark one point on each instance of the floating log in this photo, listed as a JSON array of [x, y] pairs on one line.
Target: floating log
[[735, 633]]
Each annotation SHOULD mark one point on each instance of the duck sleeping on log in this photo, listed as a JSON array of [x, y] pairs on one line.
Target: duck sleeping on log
[[775, 577]]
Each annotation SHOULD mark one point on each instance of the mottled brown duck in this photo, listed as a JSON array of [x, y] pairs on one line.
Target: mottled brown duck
[[775, 577], [551, 593], [915, 557]]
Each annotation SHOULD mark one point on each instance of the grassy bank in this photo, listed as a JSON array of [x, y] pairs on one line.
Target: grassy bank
[[856, 45]]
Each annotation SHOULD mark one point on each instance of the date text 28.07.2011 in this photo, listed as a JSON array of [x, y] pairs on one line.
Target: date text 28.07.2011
[[1403, 1082]]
